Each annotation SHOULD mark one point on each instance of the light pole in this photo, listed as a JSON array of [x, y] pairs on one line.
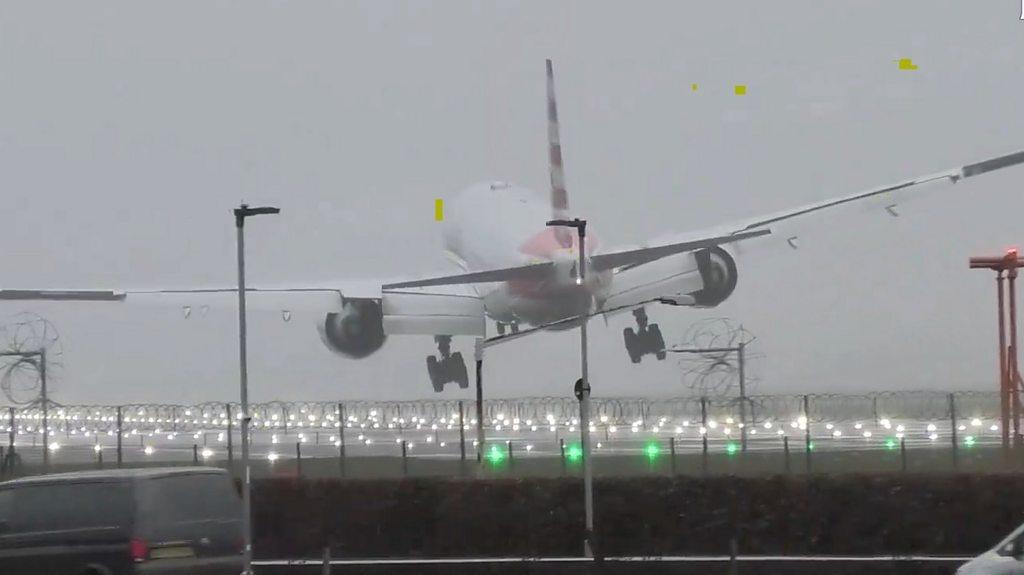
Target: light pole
[[241, 212], [583, 387], [478, 354]]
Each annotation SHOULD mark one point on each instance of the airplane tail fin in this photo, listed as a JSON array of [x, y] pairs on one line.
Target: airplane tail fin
[[559, 196]]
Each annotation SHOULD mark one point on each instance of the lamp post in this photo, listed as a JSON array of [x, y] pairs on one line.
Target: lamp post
[[583, 387], [241, 212], [478, 355]]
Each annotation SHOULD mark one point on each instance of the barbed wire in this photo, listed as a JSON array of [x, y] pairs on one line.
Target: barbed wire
[[520, 412], [21, 336], [716, 371]]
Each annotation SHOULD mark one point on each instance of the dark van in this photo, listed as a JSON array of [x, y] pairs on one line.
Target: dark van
[[177, 520]]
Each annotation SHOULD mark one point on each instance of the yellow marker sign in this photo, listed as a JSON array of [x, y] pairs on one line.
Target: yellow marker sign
[[740, 89], [906, 64], [438, 209], [693, 87]]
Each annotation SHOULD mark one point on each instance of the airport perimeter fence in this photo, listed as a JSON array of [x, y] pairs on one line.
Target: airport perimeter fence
[[524, 428]]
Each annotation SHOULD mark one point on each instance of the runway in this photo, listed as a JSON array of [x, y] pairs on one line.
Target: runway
[[515, 428]]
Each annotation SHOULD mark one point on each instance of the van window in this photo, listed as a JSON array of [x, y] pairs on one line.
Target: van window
[[62, 506], [188, 498]]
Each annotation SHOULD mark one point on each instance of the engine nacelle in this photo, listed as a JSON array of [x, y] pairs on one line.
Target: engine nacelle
[[718, 271], [356, 331]]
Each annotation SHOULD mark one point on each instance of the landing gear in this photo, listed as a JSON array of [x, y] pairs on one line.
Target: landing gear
[[514, 325], [657, 342], [631, 344], [645, 340], [450, 367]]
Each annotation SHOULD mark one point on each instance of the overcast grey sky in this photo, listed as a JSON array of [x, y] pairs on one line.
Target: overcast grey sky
[[128, 130]]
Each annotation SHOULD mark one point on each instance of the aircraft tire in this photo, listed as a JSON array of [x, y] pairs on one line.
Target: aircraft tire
[[434, 370], [458, 370], [656, 341], [631, 340]]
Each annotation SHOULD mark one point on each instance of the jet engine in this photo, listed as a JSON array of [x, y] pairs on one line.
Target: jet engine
[[718, 271], [356, 331]]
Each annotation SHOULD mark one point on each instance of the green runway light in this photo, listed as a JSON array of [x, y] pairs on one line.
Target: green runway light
[[652, 450], [574, 452], [495, 455], [890, 444], [969, 441], [731, 448]]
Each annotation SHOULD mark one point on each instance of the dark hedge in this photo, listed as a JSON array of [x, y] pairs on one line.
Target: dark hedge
[[858, 515]]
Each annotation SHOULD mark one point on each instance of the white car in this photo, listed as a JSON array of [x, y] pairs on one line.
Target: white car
[[1006, 558]]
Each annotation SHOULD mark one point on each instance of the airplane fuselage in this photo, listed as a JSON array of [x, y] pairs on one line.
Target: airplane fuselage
[[499, 225]]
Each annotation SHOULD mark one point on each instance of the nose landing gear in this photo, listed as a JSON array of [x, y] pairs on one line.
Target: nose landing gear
[[645, 340], [450, 368]]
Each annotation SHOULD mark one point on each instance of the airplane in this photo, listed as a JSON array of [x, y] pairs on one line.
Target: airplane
[[517, 271]]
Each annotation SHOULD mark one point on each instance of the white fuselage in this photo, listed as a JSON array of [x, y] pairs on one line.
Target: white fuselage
[[501, 225]]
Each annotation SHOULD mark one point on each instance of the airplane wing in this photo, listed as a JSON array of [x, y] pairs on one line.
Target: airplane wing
[[896, 192], [640, 256], [630, 257], [670, 271], [888, 197], [197, 298], [627, 258], [452, 310], [527, 272]]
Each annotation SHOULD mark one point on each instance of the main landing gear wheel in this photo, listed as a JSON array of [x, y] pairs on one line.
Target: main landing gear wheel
[[459, 367], [631, 344], [449, 368], [434, 371], [647, 339], [657, 342]]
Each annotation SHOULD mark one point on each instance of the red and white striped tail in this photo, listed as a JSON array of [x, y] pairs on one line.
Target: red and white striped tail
[[559, 197]]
